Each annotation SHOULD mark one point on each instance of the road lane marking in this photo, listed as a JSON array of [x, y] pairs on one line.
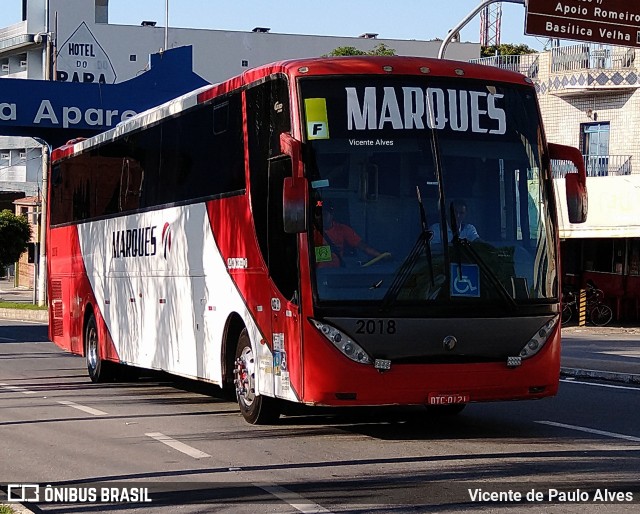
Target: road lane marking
[[177, 445], [591, 431], [293, 499], [83, 408], [610, 386], [16, 389], [634, 354]]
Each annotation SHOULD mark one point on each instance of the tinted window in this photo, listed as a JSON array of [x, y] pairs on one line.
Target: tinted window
[[195, 155]]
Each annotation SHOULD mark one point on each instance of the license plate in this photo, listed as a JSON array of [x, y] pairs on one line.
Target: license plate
[[447, 398]]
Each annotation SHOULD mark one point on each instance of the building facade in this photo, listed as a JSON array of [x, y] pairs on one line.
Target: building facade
[[73, 41], [589, 96]]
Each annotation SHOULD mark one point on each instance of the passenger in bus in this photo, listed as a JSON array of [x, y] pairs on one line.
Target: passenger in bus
[[465, 230], [338, 237]]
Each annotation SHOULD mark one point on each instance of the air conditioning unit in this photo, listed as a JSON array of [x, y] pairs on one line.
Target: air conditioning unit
[[23, 64], [4, 156], [5, 68]]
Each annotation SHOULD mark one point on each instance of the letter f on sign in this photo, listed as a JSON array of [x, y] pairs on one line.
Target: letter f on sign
[[317, 119]]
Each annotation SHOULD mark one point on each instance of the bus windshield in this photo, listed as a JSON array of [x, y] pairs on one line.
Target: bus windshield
[[428, 190]]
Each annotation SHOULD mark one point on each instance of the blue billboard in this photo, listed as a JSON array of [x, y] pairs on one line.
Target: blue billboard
[[59, 111]]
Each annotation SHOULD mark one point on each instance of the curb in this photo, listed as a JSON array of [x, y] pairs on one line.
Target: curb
[[609, 376], [25, 315]]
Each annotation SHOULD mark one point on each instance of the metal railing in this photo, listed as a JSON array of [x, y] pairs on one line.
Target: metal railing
[[597, 166], [527, 64], [587, 56], [17, 29]]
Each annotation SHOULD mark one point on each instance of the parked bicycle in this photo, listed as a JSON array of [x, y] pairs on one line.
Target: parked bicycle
[[597, 312]]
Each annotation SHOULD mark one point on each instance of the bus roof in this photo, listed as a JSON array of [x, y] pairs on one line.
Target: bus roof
[[353, 65]]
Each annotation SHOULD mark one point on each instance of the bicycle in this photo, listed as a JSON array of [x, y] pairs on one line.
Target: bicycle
[[597, 312]]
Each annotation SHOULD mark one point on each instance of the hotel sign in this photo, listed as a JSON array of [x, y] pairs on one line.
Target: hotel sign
[[612, 22]]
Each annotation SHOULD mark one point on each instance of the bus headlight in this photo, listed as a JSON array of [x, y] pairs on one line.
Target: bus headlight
[[535, 344], [343, 342]]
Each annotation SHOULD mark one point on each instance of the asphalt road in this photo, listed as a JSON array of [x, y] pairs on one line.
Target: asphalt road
[[194, 453]]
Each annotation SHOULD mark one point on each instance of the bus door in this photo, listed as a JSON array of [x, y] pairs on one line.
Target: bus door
[[282, 261]]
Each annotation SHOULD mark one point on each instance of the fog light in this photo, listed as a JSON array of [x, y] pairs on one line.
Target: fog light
[[382, 364], [514, 362]]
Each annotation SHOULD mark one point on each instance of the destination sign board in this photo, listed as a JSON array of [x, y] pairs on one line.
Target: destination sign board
[[613, 22]]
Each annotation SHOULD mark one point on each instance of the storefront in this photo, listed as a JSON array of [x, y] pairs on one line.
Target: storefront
[[612, 264]]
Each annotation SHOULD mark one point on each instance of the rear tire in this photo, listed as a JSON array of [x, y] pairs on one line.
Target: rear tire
[[99, 370], [255, 408], [566, 314]]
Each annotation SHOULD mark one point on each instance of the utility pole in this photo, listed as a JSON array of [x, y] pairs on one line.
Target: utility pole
[[455, 30], [166, 25]]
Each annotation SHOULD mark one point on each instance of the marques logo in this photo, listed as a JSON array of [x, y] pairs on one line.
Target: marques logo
[[166, 239]]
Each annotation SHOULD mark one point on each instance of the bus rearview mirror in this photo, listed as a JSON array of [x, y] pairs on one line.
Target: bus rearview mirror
[[575, 183]]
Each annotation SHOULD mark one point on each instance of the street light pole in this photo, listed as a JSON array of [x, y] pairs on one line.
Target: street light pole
[[42, 257], [467, 19]]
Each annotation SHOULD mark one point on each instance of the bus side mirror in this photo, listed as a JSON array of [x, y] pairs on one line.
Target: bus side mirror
[[576, 183], [295, 196], [291, 147]]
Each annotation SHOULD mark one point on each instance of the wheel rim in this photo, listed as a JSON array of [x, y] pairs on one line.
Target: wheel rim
[[245, 377], [92, 347]]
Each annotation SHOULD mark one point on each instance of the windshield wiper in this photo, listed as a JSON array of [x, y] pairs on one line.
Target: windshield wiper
[[423, 243], [464, 244]]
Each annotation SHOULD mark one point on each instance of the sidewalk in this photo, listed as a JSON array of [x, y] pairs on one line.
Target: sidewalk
[[609, 353], [9, 293]]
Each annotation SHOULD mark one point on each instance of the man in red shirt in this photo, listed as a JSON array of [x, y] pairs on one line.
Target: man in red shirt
[[337, 236]]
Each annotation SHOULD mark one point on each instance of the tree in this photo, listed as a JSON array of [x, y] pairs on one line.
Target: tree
[[379, 49], [506, 49], [15, 233]]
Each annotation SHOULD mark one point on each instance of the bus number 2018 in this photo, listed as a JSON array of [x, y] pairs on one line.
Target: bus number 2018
[[376, 326]]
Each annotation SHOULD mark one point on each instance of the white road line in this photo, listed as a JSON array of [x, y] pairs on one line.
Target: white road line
[[624, 353], [17, 389], [293, 499], [591, 431], [610, 386], [83, 408], [177, 445]]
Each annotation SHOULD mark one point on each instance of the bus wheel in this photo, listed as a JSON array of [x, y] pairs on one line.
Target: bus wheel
[[97, 368], [255, 408]]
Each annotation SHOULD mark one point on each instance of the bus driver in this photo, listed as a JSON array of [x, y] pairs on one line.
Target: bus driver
[[338, 237]]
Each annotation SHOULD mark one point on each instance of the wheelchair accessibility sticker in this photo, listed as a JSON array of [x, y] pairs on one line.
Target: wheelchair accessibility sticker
[[465, 280]]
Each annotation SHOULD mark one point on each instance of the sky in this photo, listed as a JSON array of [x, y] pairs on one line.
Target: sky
[[401, 19]]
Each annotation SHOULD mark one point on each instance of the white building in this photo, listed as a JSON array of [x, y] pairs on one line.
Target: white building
[[72, 40], [589, 95]]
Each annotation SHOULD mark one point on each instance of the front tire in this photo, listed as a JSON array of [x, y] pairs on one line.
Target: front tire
[[99, 370], [255, 408]]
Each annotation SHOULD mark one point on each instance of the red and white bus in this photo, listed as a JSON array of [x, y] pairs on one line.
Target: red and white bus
[[191, 237]]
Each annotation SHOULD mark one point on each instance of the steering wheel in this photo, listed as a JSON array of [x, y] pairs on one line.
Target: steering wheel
[[378, 258]]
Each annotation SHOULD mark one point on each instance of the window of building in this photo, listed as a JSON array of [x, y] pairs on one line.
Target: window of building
[[595, 147], [102, 11], [634, 257], [605, 255]]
